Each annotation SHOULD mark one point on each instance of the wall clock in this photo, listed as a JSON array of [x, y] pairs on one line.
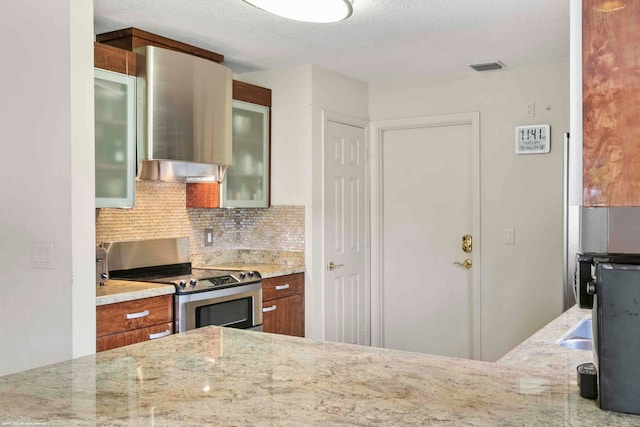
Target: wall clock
[[534, 139]]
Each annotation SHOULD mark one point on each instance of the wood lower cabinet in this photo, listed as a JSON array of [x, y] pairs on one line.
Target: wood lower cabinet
[[130, 322], [283, 305], [131, 337]]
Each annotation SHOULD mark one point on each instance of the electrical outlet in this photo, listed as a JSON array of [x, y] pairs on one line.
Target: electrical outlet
[[531, 108], [208, 236]]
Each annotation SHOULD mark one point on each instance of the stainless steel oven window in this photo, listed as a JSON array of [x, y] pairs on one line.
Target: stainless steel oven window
[[236, 313], [186, 304]]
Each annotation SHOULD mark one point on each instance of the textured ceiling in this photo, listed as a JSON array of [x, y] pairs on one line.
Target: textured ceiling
[[384, 40]]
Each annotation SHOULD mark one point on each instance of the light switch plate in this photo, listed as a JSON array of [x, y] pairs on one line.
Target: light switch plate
[[42, 255], [208, 236], [509, 236], [531, 108]]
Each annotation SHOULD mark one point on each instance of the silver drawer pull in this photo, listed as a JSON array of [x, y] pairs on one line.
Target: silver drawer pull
[[159, 334], [281, 287], [268, 309], [137, 315]]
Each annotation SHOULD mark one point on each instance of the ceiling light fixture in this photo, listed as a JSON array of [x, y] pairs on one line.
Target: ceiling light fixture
[[322, 11]]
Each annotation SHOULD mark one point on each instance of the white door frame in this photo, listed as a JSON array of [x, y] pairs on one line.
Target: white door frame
[[377, 129], [330, 116]]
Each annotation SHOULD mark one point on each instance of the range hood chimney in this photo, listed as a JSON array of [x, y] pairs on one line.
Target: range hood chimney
[[184, 117]]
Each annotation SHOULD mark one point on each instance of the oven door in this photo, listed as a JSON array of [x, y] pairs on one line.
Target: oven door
[[237, 307]]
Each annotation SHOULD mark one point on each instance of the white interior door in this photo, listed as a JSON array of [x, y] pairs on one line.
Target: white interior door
[[430, 197], [347, 302]]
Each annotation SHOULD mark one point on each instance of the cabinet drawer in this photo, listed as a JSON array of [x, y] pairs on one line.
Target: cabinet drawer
[[131, 337], [282, 286], [283, 316], [126, 316]]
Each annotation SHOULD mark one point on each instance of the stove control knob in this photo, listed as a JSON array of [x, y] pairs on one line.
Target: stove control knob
[[192, 282], [182, 283], [250, 273], [242, 275], [104, 276]]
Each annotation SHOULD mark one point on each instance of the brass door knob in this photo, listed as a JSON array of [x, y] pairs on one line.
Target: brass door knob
[[332, 266], [466, 263]]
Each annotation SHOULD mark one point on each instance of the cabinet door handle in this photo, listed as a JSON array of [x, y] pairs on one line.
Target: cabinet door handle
[[137, 315], [159, 334], [281, 287], [268, 309]]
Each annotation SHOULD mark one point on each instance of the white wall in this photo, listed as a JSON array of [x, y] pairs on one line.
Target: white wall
[[521, 284], [46, 78], [300, 95], [83, 222]]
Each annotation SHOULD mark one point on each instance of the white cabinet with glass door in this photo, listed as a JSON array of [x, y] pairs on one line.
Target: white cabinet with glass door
[[115, 139], [247, 180]]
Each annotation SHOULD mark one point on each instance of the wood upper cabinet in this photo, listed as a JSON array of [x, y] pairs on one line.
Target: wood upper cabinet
[[115, 126], [251, 93], [113, 59], [283, 305], [133, 321], [247, 182], [611, 106]]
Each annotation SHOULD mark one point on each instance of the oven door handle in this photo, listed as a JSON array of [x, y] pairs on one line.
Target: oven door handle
[[137, 315], [268, 309]]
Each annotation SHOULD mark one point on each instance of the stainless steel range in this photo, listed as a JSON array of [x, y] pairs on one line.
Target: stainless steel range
[[203, 296]]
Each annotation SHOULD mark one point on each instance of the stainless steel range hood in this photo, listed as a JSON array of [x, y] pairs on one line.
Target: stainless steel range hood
[[184, 116]]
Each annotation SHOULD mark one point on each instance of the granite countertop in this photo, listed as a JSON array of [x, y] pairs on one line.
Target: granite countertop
[[540, 350], [266, 270], [123, 290], [220, 376]]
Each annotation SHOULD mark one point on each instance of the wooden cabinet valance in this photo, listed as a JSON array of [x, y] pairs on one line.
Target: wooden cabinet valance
[[131, 38]]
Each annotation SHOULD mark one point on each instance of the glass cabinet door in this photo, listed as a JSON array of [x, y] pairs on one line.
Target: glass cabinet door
[[115, 133], [247, 180]]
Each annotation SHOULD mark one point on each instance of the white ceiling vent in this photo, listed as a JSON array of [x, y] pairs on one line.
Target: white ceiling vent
[[488, 66]]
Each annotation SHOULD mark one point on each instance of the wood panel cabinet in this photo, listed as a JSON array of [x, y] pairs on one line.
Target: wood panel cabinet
[[130, 322], [611, 111], [283, 304], [113, 59]]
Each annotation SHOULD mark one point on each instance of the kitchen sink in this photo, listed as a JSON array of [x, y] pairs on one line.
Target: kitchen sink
[[579, 336]]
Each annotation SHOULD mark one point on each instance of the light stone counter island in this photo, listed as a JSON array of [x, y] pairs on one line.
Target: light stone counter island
[[226, 377]]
